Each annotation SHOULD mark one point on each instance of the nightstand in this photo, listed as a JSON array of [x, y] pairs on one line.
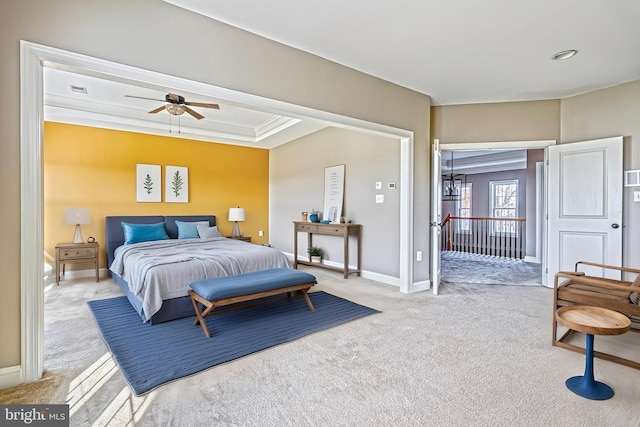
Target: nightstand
[[243, 238], [76, 253]]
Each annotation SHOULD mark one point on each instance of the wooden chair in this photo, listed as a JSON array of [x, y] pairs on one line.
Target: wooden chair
[[576, 287]]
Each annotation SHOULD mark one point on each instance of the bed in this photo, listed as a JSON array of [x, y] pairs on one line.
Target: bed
[[155, 274]]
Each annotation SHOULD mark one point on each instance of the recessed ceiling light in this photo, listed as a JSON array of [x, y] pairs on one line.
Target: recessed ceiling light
[[78, 89], [565, 54]]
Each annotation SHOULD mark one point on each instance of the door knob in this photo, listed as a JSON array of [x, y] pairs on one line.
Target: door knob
[[614, 225]]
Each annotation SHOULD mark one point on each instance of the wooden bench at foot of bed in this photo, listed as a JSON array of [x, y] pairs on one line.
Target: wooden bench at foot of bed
[[213, 293]]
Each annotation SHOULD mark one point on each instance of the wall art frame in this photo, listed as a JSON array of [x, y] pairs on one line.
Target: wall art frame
[[176, 184], [333, 193], [148, 183]]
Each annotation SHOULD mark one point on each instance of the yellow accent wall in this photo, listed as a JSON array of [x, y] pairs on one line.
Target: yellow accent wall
[[96, 169]]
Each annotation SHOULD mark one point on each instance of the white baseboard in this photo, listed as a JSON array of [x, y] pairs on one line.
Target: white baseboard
[[10, 376], [382, 278], [532, 259], [424, 285]]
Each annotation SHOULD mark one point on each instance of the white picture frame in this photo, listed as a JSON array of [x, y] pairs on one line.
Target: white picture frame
[[148, 183], [333, 193], [176, 188]]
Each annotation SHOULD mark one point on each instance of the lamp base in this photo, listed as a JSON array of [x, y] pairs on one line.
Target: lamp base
[[77, 237], [236, 230]]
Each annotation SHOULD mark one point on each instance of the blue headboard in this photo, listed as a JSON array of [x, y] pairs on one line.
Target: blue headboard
[[114, 234]]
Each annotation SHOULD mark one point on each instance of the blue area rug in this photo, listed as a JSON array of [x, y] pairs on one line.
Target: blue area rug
[[152, 355]]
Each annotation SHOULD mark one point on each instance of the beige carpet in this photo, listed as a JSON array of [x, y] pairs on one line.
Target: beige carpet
[[476, 355]]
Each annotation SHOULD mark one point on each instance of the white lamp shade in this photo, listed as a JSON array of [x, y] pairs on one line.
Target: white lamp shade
[[236, 214], [77, 216]]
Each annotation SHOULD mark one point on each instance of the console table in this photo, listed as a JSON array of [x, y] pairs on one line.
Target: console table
[[343, 230]]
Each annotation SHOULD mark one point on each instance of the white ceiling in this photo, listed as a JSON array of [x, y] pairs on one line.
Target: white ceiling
[[483, 161], [105, 105], [457, 52]]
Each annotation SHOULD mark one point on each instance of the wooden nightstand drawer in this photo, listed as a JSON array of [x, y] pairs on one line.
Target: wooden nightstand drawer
[[76, 253]]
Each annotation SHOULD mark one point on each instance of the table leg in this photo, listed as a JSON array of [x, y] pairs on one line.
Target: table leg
[[295, 247], [585, 385]]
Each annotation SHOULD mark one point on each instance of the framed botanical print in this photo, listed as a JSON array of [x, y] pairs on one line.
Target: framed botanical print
[[148, 183], [176, 187]]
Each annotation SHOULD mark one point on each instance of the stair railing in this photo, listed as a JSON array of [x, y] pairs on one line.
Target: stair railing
[[503, 237]]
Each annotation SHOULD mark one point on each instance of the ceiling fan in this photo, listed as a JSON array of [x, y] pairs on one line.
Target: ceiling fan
[[177, 105]]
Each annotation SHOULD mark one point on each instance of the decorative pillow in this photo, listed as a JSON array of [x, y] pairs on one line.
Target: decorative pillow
[[207, 232], [189, 230], [134, 233]]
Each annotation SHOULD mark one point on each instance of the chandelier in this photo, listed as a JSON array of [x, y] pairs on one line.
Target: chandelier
[[452, 184]]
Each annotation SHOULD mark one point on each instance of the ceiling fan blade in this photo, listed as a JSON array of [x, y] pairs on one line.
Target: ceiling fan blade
[[193, 113], [157, 110], [203, 104], [142, 97]]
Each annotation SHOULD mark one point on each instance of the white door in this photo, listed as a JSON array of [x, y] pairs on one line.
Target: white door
[[436, 208], [585, 205]]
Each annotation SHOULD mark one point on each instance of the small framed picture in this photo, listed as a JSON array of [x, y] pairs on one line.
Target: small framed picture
[[176, 189], [148, 183]]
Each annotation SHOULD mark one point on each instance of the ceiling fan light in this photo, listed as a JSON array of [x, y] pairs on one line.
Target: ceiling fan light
[[565, 54], [175, 109]]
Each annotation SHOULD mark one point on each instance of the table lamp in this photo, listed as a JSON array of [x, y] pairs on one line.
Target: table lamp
[[235, 215], [77, 216]]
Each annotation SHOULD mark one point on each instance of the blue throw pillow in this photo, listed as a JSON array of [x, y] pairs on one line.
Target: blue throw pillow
[[189, 230], [135, 233]]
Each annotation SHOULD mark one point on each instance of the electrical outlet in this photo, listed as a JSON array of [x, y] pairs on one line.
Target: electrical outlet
[[419, 256], [260, 233], [379, 198]]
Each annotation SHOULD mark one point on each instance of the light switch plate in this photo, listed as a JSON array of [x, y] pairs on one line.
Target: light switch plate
[[378, 185], [636, 196], [379, 198]]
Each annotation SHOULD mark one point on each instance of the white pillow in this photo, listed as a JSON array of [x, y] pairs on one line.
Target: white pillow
[[206, 232]]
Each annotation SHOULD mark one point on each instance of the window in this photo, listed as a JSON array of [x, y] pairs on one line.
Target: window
[[463, 207], [504, 204]]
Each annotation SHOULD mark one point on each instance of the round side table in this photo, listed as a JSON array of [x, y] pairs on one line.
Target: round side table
[[592, 321]]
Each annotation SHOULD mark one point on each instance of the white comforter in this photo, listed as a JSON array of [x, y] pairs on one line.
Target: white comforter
[[163, 269]]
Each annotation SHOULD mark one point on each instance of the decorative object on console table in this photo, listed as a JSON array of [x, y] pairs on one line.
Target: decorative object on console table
[[344, 230], [77, 216], [76, 253], [235, 215], [333, 193], [315, 216], [243, 238]]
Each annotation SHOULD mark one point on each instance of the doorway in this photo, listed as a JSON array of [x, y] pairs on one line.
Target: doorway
[[33, 58], [472, 150]]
